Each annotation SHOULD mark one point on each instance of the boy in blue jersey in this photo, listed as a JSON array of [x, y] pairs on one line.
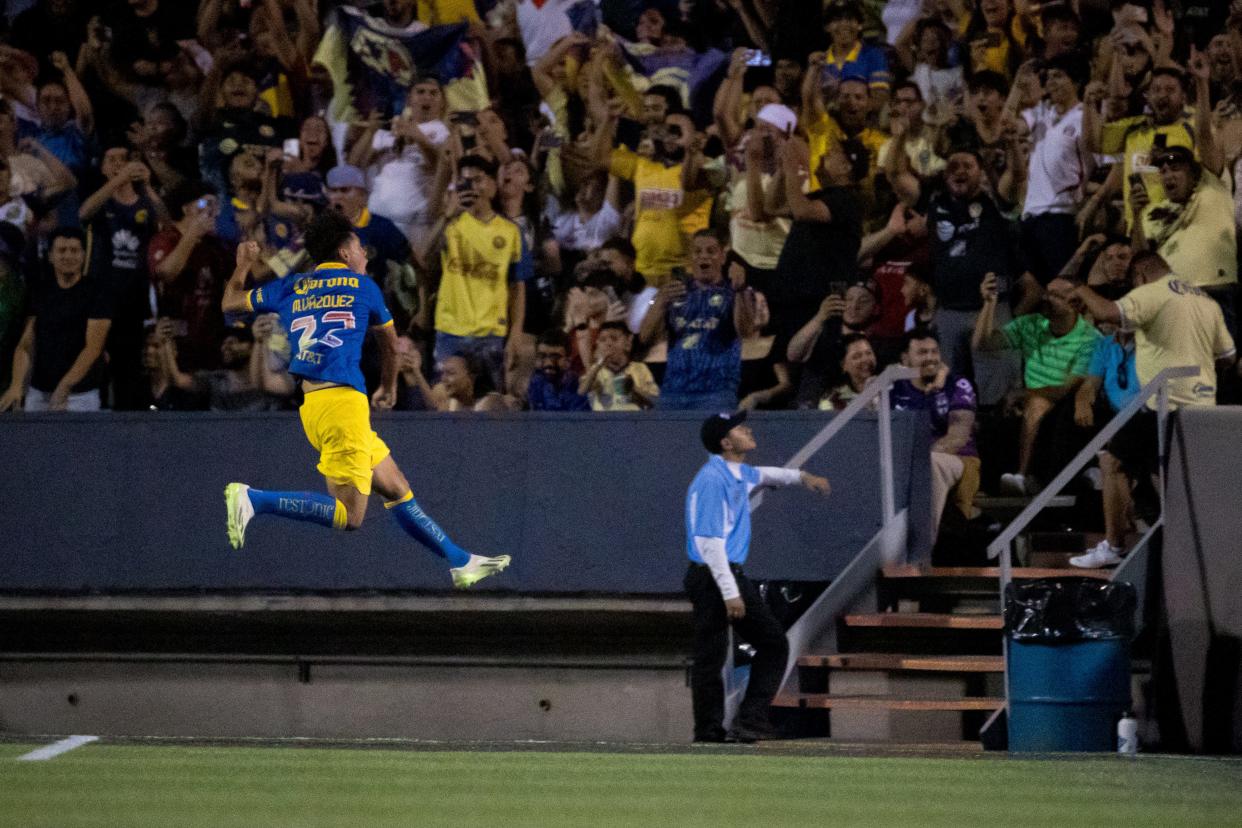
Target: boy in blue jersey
[[717, 543], [328, 313]]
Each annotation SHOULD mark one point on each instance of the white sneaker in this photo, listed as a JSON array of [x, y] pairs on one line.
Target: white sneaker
[[240, 512], [1102, 554], [476, 569], [1014, 484]]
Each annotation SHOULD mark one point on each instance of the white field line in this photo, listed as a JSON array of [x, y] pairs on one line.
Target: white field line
[[57, 748]]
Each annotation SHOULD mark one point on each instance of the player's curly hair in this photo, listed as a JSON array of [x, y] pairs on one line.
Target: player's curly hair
[[327, 233]]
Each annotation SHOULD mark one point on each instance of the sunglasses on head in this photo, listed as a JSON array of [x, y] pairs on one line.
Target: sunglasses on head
[[1161, 163]]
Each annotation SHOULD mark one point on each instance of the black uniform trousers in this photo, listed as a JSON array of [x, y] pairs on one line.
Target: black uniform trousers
[[758, 627]]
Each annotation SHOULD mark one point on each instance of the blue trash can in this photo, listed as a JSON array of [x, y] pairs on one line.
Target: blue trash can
[[1067, 697], [1068, 663]]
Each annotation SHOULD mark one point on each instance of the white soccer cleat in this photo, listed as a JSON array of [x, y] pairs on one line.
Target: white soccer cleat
[[240, 512], [1100, 555], [476, 569]]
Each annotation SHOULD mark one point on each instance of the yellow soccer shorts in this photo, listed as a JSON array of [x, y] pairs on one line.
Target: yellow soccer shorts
[[337, 422]]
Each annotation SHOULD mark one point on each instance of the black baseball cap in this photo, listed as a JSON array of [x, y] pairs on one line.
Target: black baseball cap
[[717, 427]]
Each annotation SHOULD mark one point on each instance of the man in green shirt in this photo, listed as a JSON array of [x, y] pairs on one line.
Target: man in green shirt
[[1056, 346]]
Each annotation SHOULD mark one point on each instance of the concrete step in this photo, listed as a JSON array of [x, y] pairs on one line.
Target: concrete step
[[897, 661]]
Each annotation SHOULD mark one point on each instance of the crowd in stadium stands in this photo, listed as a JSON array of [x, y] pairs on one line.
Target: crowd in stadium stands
[[621, 205]]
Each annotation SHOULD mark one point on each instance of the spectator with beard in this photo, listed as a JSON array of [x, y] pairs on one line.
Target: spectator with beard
[[554, 386], [228, 388], [58, 364], [950, 402], [666, 212], [125, 213]]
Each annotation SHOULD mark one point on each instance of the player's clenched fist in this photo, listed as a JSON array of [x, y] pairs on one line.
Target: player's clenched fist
[[247, 254]]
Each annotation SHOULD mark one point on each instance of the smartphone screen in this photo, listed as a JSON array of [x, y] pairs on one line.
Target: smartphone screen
[[758, 58]]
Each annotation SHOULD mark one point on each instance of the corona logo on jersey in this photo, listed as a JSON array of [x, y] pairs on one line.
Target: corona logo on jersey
[[306, 284]]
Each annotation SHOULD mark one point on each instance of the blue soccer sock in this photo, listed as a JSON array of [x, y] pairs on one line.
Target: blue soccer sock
[[419, 525], [309, 506]]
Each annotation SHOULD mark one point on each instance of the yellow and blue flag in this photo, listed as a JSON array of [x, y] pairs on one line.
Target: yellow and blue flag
[[373, 64]]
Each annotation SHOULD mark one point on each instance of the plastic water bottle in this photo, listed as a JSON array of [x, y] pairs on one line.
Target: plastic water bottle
[[1127, 735]]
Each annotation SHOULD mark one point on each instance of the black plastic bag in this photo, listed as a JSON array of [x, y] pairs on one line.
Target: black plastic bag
[[1063, 610]]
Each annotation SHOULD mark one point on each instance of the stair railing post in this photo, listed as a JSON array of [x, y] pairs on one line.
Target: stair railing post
[[887, 495], [1162, 418]]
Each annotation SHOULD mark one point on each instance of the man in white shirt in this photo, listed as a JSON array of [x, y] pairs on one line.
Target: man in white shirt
[[717, 543], [1056, 172]]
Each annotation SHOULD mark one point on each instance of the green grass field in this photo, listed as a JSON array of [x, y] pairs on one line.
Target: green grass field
[[138, 785]]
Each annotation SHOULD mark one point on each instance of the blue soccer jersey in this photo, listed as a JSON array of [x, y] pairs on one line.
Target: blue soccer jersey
[[327, 313], [704, 352]]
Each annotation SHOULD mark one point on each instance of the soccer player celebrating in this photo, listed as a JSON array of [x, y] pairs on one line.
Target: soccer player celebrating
[[329, 311]]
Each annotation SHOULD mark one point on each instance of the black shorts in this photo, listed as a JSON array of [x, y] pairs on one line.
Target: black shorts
[[1135, 446]]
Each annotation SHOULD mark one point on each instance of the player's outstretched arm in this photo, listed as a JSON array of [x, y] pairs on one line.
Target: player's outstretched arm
[[235, 299]]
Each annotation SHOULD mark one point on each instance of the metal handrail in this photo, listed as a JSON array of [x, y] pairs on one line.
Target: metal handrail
[[878, 387], [1157, 386]]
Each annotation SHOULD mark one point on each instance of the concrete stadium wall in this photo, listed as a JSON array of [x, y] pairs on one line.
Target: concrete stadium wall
[[588, 503]]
